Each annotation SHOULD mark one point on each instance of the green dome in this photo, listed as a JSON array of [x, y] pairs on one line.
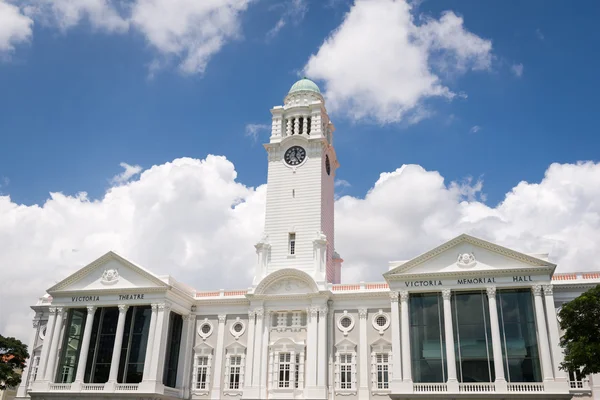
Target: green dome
[[304, 84]]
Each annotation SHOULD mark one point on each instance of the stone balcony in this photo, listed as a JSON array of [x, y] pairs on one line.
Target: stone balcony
[[45, 389]]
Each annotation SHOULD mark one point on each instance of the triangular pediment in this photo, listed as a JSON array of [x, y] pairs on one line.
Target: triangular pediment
[[109, 272], [467, 255]]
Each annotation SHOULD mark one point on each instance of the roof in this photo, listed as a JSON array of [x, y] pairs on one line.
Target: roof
[[304, 84]]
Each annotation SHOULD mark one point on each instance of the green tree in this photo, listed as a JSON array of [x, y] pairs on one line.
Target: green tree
[[13, 354], [580, 321]]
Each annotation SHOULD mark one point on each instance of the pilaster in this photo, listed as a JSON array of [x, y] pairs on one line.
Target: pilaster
[[218, 365], [554, 335], [250, 349], [363, 355], [396, 345], [56, 337], [543, 344], [150, 343], [448, 331], [405, 332], [322, 348]]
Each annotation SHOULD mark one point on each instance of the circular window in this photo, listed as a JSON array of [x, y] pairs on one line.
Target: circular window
[[237, 329], [205, 329], [43, 332], [381, 321], [345, 323]]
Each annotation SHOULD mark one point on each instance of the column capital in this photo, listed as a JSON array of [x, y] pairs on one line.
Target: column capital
[[547, 290], [91, 310], [123, 308], [404, 295], [60, 310], [394, 296], [446, 293], [537, 290], [164, 306], [52, 310], [222, 318], [36, 323], [362, 313], [154, 306], [491, 291], [323, 311], [190, 317], [260, 312], [251, 314], [314, 311]]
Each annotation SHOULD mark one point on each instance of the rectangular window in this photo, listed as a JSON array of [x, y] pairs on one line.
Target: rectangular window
[[135, 340], [173, 345], [427, 340], [202, 373], [292, 240], [382, 364], [297, 371], [284, 370], [71, 346], [345, 371], [235, 365], [33, 370]]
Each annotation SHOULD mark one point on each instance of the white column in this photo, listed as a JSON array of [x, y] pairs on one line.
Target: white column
[[250, 348], [85, 344], [273, 373], [185, 353], [54, 347], [116, 354], [150, 344], [496, 341], [322, 347], [301, 372], [363, 354], [47, 343], [258, 346], [557, 352], [296, 126], [311, 348], [396, 361], [449, 334], [216, 387], [544, 347], [405, 331], [157, 357], [264, 368], [304, 125], [26, 376]]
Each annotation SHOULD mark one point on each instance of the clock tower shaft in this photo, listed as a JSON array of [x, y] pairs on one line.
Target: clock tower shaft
[[299, 221]]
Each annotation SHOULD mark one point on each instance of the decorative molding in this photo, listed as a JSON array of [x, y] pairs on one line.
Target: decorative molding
[[314, 311], [345, 329], [232, 329], [547, 290], [491, 291], [362, 313], [404, 295], [323, 312], [110, 276], [201, 332], [164, 307], [123, 308], [394, 296], [36, 323], [446, 294], [290, 274], [222, 318], [91, 310], [59, 310], [251, 314], [537, 290], [52, 310], [260, 312], [466, 260], [154, 307]]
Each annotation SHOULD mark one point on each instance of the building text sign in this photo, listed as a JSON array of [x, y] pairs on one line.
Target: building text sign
[[473, 281]]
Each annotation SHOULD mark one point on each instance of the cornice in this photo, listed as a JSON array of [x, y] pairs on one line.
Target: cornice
[[101, 292], [283, 274], [462, 274]]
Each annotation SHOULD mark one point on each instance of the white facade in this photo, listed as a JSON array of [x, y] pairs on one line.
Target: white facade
[[115, 330]]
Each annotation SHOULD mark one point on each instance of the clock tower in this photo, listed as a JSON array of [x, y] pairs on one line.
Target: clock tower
[[299, 220]]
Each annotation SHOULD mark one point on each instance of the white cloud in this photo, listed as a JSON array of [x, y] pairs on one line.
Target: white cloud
[[253, 130], [379, 64], [342, 183], [539, 34], [294, 11], [517, 69], [190, 31], [15, 27], [475, 129], [129, 172], [66, 14], [191, 219]]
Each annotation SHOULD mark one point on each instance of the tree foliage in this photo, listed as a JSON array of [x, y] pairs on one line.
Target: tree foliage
[[580, 321], [13, 354]]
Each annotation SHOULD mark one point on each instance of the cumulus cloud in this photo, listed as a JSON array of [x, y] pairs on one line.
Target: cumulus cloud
[[192, 219], [517, 69], [15, 27], [129, 171], [381, 64], [185, 32]]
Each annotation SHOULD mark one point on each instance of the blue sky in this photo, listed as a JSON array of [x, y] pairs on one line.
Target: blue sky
[[76, 103]]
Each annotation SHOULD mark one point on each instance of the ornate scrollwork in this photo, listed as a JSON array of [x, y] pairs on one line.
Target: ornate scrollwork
[[222, 318], [547, 290], [446, 294], [537, 290], [404, 295], [491, 291], [394, 296], [110, 276], [123, 308], [91, 310], [466, 260], [362, 313]]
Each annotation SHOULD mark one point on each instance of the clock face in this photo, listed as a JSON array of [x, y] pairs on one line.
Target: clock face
[[294, 155], [327, 165]]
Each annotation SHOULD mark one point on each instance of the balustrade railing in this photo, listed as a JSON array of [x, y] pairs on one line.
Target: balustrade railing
[[582, 385], [92, 387], [126, 387], [60, 386], [476, 387], [525, 387], [430, 387]]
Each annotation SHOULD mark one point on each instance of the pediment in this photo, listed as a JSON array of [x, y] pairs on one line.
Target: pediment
[[203, 348], [345, 345], [287, 282], [109, 272], [467, 255]]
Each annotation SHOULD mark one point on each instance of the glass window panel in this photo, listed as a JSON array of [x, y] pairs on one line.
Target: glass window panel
[[71, 345], [427, 337], [173, 345]]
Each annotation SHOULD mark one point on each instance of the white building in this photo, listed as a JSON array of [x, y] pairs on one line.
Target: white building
[[115, 330]]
